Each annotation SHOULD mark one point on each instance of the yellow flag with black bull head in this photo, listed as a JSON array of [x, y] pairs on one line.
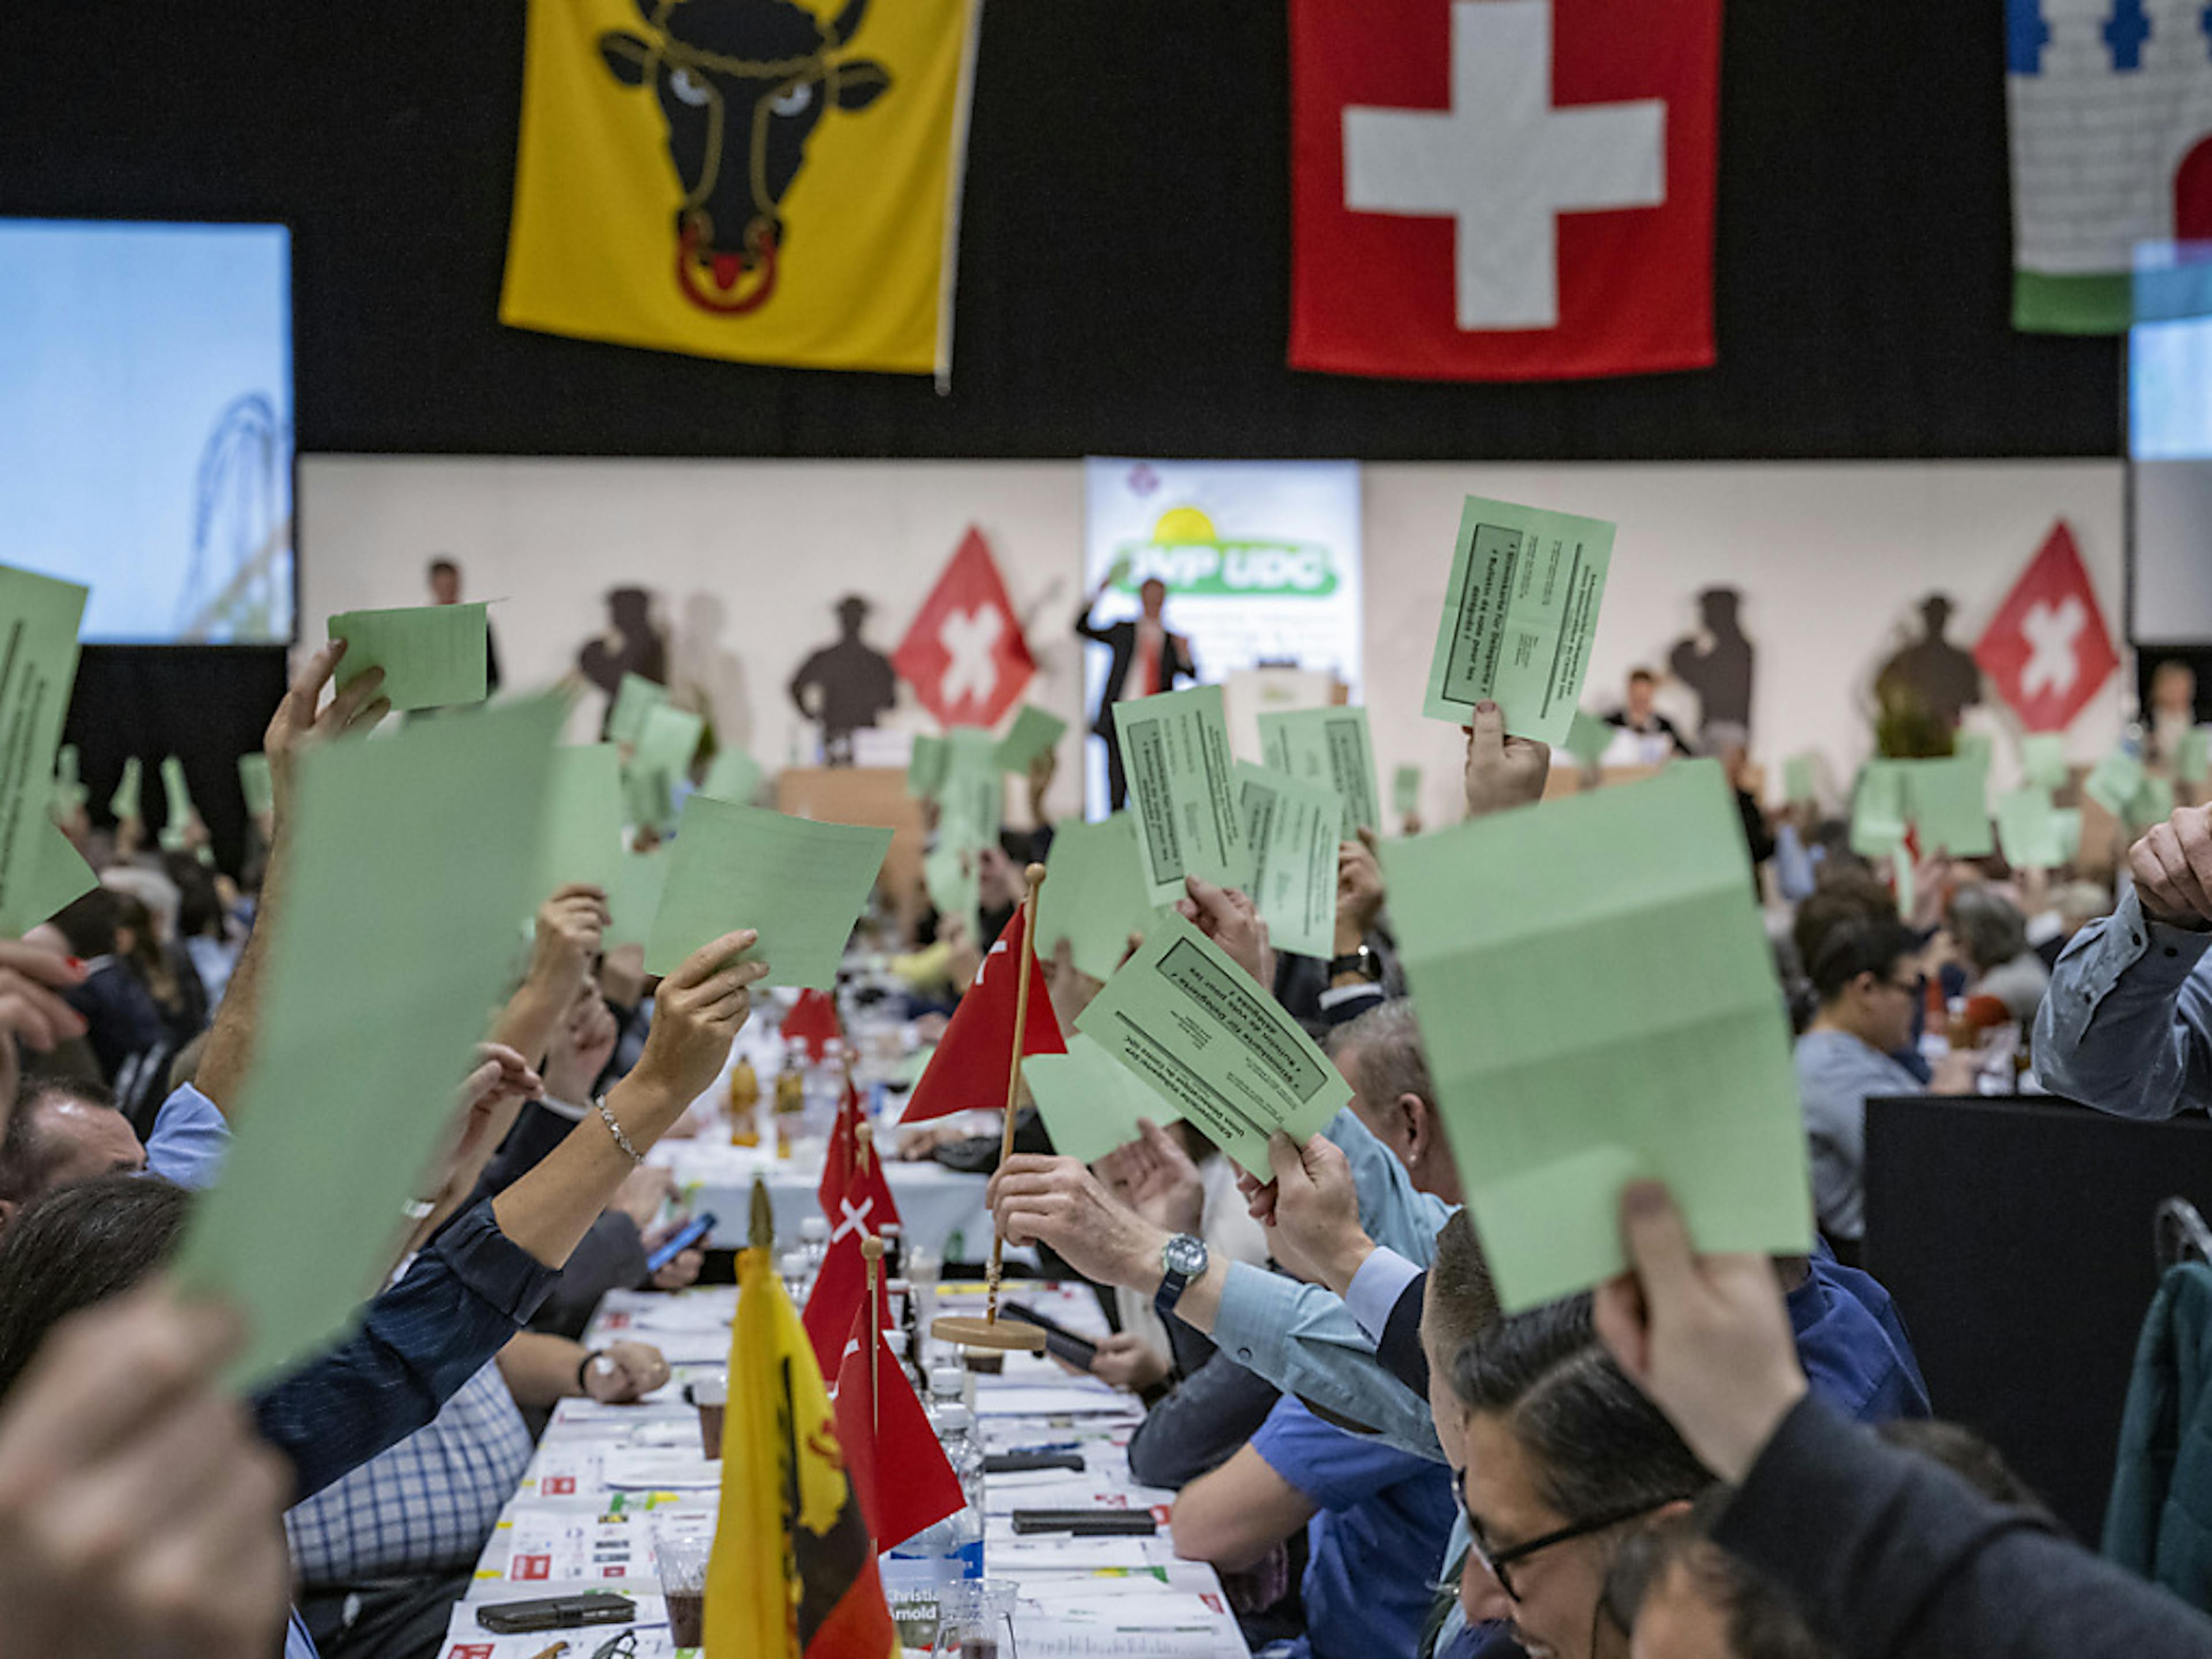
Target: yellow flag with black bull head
[[773, 181]]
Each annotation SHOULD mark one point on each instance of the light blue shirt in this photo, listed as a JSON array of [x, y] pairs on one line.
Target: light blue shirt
[[1303, 1340], [1836, 1074], [2126, 1026], [189, 1137]]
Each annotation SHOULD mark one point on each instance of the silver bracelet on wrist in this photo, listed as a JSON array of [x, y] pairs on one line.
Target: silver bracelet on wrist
[[599, 1103]]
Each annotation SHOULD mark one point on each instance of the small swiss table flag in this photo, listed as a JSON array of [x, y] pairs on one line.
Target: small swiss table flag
[[1502, 190], [968, 1069], [2047, 650], [964, 654]]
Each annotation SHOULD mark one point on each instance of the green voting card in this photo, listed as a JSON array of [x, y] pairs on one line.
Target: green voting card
[[1330, 747], [1588, 739], [734, 774], [69, 787], [256, 784], [1949, 805], [668, 741], [1094, 895], [634, 899], [126, 802], [434, 656], [1406, 790], [38, 619], [1090, 1102], [633, 699], [2114, 782], [971, 799], [953, 879], [1215, 1044], [2069, 822], [2043, 759], [1902, 872], [648, 799], [1292, 827], [1520, 612], [582, 837], [1878, 809], [1183, 791], [801, 885], [1033, 733], [179, 795], [2152, 802], [2193, 755], [2028, 830], [1599, 1004], [395, 937], [1978, 746], [1798, 785], [50, 876], [925, 766]]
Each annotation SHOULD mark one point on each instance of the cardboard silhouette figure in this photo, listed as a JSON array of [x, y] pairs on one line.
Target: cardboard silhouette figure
[[1716, 661], [847, 685], [1931, 674]]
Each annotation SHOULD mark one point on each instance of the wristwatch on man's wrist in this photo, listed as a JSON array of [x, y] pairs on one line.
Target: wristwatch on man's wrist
[[1184, 1259], [1362, 962]]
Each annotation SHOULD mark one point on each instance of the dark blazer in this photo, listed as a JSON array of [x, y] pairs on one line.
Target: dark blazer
[[1175, 664]]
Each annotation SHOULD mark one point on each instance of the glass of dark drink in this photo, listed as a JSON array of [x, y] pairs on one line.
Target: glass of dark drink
[[681, 1554]]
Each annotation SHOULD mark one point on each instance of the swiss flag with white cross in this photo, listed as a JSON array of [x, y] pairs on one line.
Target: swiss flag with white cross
[[2047, 650], [964, 654], [1502, 190]]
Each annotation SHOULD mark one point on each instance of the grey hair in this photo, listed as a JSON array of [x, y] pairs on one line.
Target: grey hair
[[1989, 928], [1389, 1060]]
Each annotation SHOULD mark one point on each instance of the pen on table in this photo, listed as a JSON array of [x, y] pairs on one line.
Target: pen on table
[[1054, 1446], [553, 1652]]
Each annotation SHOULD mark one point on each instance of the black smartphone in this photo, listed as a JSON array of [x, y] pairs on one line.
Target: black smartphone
[[556, 1613], [1021, 1462], [1060, 1342], [683, 1239], [1088, 1523]]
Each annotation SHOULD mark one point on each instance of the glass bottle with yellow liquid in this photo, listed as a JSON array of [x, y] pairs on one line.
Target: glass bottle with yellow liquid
[[745, 1104]]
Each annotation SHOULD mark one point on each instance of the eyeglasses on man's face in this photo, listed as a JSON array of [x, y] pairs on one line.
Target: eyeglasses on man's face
[[1499, 1562]]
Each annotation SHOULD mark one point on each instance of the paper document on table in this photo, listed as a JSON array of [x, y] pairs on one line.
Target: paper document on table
[[395, 934], [1292, 829], [1612, 1013], [801, 884], [582, 837], [1089, 1100], [1216, 1044], [434, 656], [38, 619], [1328, 746], [1183, 794], [1520, 612]]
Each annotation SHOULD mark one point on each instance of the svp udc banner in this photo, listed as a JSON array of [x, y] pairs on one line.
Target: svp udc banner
[[1261, 560], [756, 179]]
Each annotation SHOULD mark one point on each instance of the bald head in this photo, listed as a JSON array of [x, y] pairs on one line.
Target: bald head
[[60, 1134]]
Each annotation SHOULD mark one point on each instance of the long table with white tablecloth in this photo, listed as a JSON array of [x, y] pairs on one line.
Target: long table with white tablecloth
[[583, 1516]]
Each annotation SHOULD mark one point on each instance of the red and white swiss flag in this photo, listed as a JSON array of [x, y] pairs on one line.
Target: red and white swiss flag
[[2047, 651], [964, 656], [969, 1070], [1502, 190]]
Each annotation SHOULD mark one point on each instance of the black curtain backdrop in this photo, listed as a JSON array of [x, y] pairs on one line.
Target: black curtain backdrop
[[207, 705], [1124, 280]]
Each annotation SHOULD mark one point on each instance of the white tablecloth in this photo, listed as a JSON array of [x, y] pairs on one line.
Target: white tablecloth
[[937, 1207], [583, 1515]]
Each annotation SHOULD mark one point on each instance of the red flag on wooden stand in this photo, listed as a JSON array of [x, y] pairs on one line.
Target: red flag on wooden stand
[[969, 1067], [899, 1472]]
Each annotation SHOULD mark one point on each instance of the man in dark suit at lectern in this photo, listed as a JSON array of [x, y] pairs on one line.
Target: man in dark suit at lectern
[[1147, 658]]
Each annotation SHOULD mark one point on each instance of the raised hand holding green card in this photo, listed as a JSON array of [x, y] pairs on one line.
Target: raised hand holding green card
[[2043, 759], [1520, 611], [634, 698], [2028, 829], [1600, 1005], [434, 656], [126, 802], [1089, 1101], [1096, 896], [925, 766], [1948, 800], [40, 617], [1293, 829], [178, 794], [1330, 747], [1406, 790], [666, 743], [1878, 810], [1215, 1045], [2114, 782], [395, 935], [1183, 791], [801, 885], [1033, 733]]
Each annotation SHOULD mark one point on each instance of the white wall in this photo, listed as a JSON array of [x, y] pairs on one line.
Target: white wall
[[749, 557]]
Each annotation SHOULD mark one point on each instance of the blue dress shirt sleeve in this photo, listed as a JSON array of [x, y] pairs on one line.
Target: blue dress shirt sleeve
[[2126, 1026], [190, 1139], [1375, 1288], [453, 1309]]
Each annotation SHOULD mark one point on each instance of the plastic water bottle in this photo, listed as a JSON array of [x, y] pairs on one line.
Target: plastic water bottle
[[814, 1243], [953, 1549]]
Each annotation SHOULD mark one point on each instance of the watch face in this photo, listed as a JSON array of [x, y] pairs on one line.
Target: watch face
[[1186, 1255]]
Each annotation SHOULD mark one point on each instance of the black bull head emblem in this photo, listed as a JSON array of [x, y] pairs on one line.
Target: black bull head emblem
[[742, 85]]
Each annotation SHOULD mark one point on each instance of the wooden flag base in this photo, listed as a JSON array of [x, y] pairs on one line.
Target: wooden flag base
[[1006, 1335]]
